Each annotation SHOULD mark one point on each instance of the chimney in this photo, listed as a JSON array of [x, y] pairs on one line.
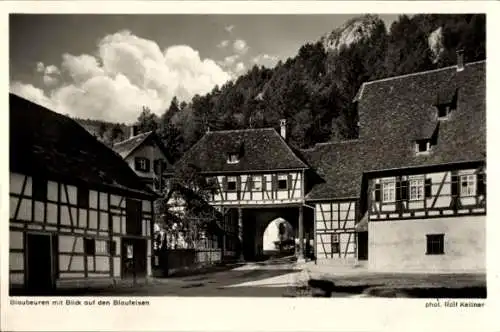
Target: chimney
[[283, 128], [460, 59], [134, 130]]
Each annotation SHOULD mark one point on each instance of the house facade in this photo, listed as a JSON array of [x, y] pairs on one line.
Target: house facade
[[147, 157], [78, 215], [408, 195], [258, 178]]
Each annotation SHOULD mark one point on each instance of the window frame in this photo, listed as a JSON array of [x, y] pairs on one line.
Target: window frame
[[89, 246], [391, 183], [282, 177], [233, 158], [235, 183], [335, 243], [434, 244], [254, 180], [427, 143], [470, 190], [141, 164], [419, 184]]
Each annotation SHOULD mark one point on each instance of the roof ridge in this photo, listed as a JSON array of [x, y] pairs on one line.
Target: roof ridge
[[239, 130], [421, 72], [134, 137], [289, 147]]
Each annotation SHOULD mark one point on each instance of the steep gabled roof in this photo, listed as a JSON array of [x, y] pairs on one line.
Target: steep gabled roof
[[126, 147], [47, 144], [395, 111], [340, 165], [260, 149]]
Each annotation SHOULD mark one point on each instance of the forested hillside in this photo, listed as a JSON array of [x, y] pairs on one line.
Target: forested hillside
[[314, 90]]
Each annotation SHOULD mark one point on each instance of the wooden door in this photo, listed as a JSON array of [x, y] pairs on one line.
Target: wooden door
[[134, 257], [362, 245], [39, 277]]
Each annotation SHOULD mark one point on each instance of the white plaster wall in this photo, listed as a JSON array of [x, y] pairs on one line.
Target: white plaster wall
[[400, 245]]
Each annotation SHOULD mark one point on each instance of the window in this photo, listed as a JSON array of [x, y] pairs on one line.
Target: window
[[82, 197], [233, 158], [112, 247], [388, 191], [335, 244], [39, 189], [468, 185], [423, 146], [416, 189], [282, 182], [256, 183], [435, 244], [443, 111], [89, 246], [142, 164], [231, 183], [159, 166]]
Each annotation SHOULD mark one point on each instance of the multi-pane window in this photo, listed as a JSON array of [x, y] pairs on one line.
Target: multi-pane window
[[256, 183], [416, 189], [282, 181], [231, 183], [435, 244], [142, 164], [388, 191], [335, 244], [468, 185]]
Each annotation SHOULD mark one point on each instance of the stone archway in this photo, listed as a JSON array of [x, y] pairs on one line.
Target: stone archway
[[276, 231]]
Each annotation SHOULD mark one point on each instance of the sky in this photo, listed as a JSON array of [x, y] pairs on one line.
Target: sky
[[108, 67]]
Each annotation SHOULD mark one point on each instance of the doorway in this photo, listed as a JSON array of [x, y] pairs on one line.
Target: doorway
[[133, 253], [363, 246], [39, 263]]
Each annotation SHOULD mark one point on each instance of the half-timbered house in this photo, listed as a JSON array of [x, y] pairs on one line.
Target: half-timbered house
[[258, 177], [147, 156], [78, 214], [424, 185]]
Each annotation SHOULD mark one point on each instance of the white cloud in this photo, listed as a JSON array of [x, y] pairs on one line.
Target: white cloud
[[240, 46], [265, 60], [229, 60], [223, 44], [50, 80], [126, 73], [229, 28], [52, 70]]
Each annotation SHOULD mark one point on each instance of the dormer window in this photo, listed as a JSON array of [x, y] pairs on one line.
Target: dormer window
[[233, 158], [443, 111], [423, 146]]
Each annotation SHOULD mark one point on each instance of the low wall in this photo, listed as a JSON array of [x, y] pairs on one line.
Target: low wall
[[176, 260]]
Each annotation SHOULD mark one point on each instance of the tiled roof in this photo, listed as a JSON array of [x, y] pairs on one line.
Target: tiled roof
[[260, 149], [394, 112], [51, 145], [340, 165], [126, 147]]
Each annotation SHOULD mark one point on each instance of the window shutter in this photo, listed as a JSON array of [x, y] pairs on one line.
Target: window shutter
[[275, 182], [238, 183], [481, 184], [404, 190], [264, 182], [147, 165], [428, 188], [377, 192], [289, 183], [156, 166], [137, 164], [454, 185], [224, 183]]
